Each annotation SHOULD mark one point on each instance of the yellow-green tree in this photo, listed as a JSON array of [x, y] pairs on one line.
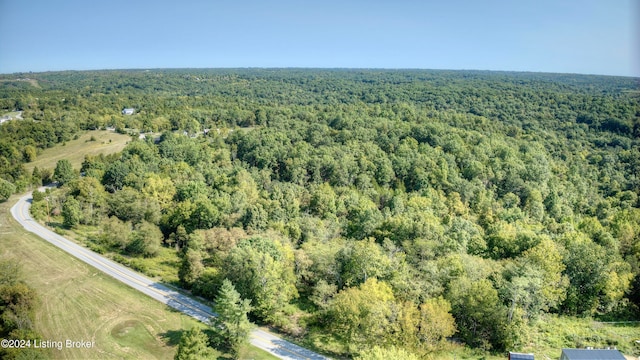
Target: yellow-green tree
[[262, 270], [435, 322], [547, 256], [382, 353], [361, 316]]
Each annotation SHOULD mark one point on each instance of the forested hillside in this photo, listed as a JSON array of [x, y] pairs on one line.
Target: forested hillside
[[356, 207]]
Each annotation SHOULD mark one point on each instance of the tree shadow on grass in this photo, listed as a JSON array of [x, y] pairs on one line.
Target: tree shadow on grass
[[57, 227], [172, 337]]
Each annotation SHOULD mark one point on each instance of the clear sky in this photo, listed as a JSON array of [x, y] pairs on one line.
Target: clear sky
[[568, 36]]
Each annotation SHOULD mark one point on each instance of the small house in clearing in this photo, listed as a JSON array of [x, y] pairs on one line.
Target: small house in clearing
[[591, 354], [128, 111]]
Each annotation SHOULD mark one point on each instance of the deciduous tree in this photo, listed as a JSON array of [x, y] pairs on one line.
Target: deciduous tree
[[145, 240], [191, 267], [71, 212], [381, 353], [262, 270], [362, 315], [478, 312], [6, 189]]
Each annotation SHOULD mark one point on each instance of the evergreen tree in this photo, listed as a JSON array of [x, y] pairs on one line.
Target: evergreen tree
[[63, 172], [231, 326], [193, 346]]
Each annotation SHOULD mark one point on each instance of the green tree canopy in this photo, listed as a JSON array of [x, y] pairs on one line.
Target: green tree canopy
[[193, 346], [6, 189], [362, 315], [63, 172], [71, 212], [262, 270], [380, 353], [478, 311]]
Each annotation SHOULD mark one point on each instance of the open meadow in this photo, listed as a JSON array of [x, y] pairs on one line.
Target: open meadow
[[104, 142]]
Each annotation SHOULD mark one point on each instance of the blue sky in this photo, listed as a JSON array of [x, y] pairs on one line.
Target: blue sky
[[568, 36]]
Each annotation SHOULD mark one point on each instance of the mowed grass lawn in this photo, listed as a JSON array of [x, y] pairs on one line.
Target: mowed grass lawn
[[106, 142], [78, 302]]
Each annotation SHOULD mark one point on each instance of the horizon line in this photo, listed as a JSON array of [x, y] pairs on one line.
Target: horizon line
[[312, 68]]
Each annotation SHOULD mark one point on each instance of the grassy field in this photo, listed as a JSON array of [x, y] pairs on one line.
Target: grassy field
[[78, 302], [551, 333], [106, 142]]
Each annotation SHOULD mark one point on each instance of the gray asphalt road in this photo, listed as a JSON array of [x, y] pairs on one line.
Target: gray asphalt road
[[259, 338]]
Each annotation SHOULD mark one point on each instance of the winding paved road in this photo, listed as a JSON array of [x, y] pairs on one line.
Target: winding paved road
[[259, 338]]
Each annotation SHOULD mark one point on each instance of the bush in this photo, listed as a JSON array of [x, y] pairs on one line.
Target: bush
[[146, 240], [38, 196], [6, 189]]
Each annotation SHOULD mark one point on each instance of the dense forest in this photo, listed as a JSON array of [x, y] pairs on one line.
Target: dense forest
[[355, 208]]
